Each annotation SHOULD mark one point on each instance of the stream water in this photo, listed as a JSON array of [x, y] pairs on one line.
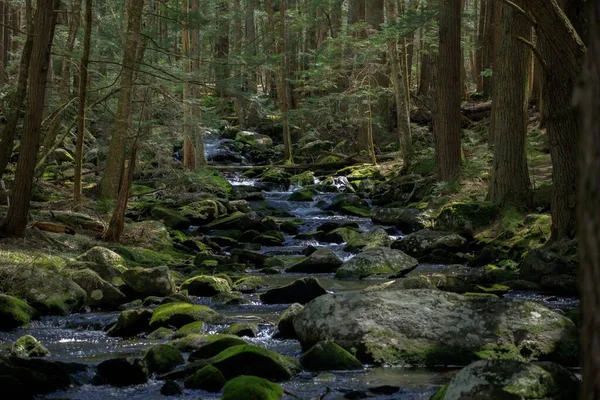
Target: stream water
[[81, 338]]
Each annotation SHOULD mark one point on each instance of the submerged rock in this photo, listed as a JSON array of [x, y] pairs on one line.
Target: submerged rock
[[323, 260], [171, 388], [122, 372], [328, 356], [14, 312], [28, 346], [432, 327], [206, 286], [508, 379], [377, 261], [149, 281], [300, 291], [251, 388]]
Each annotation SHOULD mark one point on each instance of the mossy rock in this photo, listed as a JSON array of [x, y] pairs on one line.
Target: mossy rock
[[249, 284], [28, 346], [207, 181], [328, 356], [364, 212], [123, 372], [302, 195], [163, 358], [149, 281], [170, 388], [323, 260], [139, 256], [103, 256], [360, 172], [340, 235], [304, 179], [230, 299], [171, 218], [196, 327], [216, 346], [251, 388], [203, 211], [377, 261], [148, 235], [247, 359], [180, 314], [285, 324], [208, 379], [242, 329], [368, 240], [14, 312], [131, 323], [99, 292], [276, 175], [300, 291], [206, 286], [467, 218], [161, 334]]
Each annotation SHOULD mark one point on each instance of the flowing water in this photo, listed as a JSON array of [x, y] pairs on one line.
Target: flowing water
[[81, 338]]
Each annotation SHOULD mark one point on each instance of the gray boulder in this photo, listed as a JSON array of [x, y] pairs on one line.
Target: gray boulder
[[408, 220], [322, 260], [377, 261], [149, 281], [99, 292], [425, 243]]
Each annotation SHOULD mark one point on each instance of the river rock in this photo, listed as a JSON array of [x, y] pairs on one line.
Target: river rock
[[300, 291], [14, 312], [203, 211], [122, 372], [251, 388], [215, 347], [103, 256], [171, 388], [432, 327], [249, 284], [28, 346], [328, 356], [285, 325], [408, 220], [180, 314], [466, 218], [343, 200], [553, 271], [509, 379], [206, 286], [323, 260], [149, 281], [99, 292], [131, 323], [237, 220], [22, 378], [208, 379], [367, 240], [340, 235], [423, 243], [163, 358], [241, 329], [377, 261]]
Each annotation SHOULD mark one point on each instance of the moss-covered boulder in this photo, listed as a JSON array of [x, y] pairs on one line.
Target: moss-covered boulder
[[206, 286], [507, 379], [411, 327], [203, 211], [237, 220], [466, 218], [99, 292], [171, 218], [425, 243], [122, 372], [251, 388], [377, 261], [324, 260], [377, 237], [285, 324], [340, 235], [28, 346], [131, 323], [302, 195], [249, 284], [161, 334], [270, 239], [149, 281], [343, 200], [551, 270], [241, 329], [180, 314], [277, 176], [163, 358], [304, 179], [196, 327], [14, 312], [328, 356], [408, 220], [103, 256], [300, 291], [215, 346], [208, 379], [247, 359]]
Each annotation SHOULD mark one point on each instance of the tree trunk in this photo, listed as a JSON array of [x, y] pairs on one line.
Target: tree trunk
[[426, 72], [282, 87], [221, 51], [83, 78], [253, 118], [15, 223], [510, 182], [447, 91], [488, 49], [480, 46], [189, 151], [9, 133], [589, 218], [116, 153]]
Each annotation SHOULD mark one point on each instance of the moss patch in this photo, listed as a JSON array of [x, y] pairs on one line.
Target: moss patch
[[251, 388], [180, 314]]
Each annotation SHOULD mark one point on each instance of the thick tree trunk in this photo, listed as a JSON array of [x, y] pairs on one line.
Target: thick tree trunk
[[480, 46], [15, 223], [447, 92], [116, 153], [189, 151], [488, 48], [221, 51], [253, 118], [589, 198], [426, 72], [282, 87], [9, 133], [83, 78], [510, 182]]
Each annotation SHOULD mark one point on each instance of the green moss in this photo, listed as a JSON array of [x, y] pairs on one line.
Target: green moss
[[302, 195], [137, 256], [188, 329], [205, 286], [326, 356], [306, 178], [161, 334], [180, 314], [251, 388], [28, 346], [245, 359], [208, 378], [171, 218], [14, 312], [163, 358], [440, 394], [500, 274], [242, 329], [467, 217], [493, 289], [357, 211], [249, 284], [360, 172], [208, 181], [215, 346]]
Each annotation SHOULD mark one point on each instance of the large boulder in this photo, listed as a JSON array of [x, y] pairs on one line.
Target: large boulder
[[300, 291], [377, 261], [323, 260], [103, 256], [122, 372], [408, 220], [171, 218], [425, 243], [14, 312], [378, 237], [432, 327], [466, 218], [251, 388], [339, 235], [215, 347], [131, 323], [180, 314], [99, 292], [203, 211], [509, 379], [551, 270], [149, 281], [206, 286]]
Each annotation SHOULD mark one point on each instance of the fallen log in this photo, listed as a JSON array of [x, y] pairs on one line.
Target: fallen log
[[52, 227]]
